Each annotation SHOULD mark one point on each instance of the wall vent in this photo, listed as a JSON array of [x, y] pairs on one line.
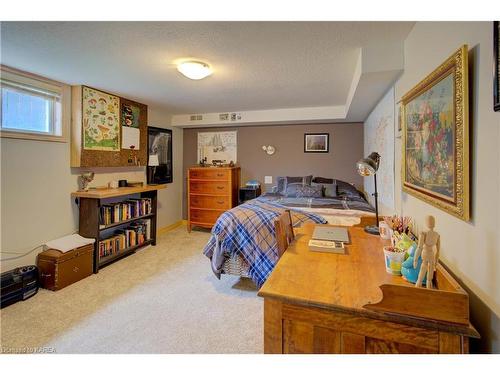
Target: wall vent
[[195, 117], [235, 116]]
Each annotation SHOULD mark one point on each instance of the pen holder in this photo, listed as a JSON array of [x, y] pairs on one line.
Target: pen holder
[[393, 260]]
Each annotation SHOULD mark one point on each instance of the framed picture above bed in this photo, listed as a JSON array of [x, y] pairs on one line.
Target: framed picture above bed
[[435, 116], [316, 142]]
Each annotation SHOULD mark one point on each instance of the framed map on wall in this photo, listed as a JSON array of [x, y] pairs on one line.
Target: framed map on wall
[[101, 120]]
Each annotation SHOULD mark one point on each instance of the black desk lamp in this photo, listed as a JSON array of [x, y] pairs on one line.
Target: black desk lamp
[[367, 167]]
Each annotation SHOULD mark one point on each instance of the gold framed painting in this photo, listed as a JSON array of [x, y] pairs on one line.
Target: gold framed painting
[[435, 114]]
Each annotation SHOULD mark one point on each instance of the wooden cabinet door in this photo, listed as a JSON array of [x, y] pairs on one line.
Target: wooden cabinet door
[[304, 338]]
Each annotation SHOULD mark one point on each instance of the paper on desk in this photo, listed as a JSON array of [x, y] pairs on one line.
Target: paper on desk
[[68, 243]]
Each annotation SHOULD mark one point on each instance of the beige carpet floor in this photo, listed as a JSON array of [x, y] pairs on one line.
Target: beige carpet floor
[[163, 299]]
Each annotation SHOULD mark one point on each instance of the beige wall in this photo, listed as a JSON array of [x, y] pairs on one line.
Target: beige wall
[[36, 182], [379, 137], [170, 199], [469, 249], [346, 147]]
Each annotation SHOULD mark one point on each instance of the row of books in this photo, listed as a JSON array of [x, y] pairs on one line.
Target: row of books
[[121, 211], [135, 234]]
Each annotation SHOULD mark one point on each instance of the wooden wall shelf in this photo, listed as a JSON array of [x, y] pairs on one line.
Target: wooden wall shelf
[[110, 193]]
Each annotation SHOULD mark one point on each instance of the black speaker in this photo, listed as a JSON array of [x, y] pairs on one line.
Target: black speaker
[[18, 284]]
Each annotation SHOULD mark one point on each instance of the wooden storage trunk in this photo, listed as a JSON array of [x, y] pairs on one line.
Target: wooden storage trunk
[[58, 270]]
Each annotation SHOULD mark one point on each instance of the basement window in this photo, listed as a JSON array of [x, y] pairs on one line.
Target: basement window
[[31, 107]]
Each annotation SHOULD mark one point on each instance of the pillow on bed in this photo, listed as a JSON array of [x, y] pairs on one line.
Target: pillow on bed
[[330, 190], [280, 185], [343, 188], [307, 191], [323, 180], [281, 182], [348, 190], [293, 183]]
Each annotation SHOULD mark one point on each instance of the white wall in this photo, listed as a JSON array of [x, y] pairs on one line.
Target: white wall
[[379, 137], [36, 182], [469, 249]]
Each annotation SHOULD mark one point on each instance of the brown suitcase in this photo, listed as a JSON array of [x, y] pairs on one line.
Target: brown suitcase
[[58, 270]]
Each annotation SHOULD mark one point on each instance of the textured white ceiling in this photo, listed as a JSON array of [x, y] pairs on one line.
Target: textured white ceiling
[[257, 65]]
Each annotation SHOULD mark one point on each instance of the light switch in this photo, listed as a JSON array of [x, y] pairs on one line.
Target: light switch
[[268, 179]]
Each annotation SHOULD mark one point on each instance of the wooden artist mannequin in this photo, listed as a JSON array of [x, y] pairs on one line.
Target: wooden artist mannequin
[[427, 242]]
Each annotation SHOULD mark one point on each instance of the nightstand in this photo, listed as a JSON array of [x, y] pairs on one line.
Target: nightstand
[[247, 193]]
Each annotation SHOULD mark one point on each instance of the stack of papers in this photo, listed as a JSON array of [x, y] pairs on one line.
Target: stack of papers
[[329, 239]]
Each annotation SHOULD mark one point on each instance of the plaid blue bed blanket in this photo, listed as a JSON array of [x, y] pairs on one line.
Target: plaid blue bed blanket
[[248, 230]]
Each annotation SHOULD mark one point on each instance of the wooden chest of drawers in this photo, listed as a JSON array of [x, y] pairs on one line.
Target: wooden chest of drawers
[[211, 191]]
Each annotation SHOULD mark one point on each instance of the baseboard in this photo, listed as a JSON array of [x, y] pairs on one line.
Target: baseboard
[[170, 227]]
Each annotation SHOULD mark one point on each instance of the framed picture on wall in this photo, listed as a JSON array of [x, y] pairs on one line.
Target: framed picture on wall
[[496, 75], [435, 117], [159, 156], [101, 120], [316, 142]]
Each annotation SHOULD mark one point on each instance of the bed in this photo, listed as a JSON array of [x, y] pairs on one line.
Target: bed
[[243, 239]]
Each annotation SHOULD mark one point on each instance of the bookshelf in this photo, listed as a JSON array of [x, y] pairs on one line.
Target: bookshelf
[[111, 215]]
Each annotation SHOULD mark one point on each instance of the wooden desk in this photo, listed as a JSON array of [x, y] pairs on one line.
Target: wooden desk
[[329, 303]]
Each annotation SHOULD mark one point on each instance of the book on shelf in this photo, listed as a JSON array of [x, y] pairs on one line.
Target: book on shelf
[[113, 213], [123, 239]]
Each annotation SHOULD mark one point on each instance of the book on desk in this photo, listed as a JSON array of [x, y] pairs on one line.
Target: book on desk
[[329, 239]]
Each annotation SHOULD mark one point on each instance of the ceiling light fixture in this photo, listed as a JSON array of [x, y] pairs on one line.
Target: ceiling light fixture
[[194, 69]]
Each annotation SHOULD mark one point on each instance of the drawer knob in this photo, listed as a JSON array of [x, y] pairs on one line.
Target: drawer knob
[[220, 187], [76, 269], [220, 175], [220, 202]]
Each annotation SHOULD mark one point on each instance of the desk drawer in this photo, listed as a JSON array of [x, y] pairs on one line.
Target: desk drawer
[[209, 174], [201, 201], [210, 187], [204, 216]]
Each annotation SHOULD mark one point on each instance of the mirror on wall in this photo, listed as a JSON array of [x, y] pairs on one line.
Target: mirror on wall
[[159, 156]]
